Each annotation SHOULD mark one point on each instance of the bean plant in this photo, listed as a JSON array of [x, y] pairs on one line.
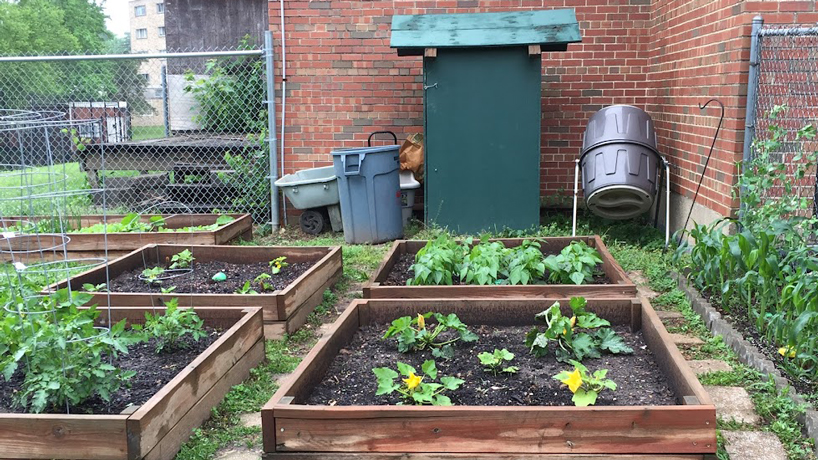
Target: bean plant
[[575, 264], [171, 328]]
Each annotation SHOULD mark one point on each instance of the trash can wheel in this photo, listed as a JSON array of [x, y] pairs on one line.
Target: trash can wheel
[[313, 222]]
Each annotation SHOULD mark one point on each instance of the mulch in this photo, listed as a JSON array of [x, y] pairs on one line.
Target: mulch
[[350, 381]]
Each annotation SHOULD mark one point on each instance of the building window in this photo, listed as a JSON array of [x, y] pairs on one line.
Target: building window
[[144, 77], [160, 8], [141, 34], [161, 31], [139, 10]]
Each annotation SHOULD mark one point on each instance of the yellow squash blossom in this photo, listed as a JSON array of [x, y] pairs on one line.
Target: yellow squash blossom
[[574, 381], [421, 322], [573, 322], [788, 352], [412, 381]]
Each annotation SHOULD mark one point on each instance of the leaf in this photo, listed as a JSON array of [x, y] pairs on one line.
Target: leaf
[[487, 359], [405, 369], [578, 305], [510, 369], [577, 277], [429, 368], [386, 377], [442, 400], [591, 321], [584, 398], [451, 383], [445, 352], [504, 354], [468, 336], [610, 341], [583, 346]]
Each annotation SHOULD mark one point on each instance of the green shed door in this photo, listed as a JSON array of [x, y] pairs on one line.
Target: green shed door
[[482, 139]]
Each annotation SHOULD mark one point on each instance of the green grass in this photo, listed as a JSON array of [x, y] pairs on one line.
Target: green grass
[[16, 188], [141, 133]]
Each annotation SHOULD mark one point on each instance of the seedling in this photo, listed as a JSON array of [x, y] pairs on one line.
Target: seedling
[[585, 387], [167, 290], [412, 389], [261, 280], [183, 259], [413, 335], [89, 287], [571, 343], [246, 289], [493, 362], [151, 275], [277, 264]]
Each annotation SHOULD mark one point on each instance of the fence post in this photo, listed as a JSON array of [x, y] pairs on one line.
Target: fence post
[[271, 126], [165, 105], [752, 94]]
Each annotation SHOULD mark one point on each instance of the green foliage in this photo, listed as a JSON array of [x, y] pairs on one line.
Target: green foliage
[[482, 264], [277, 264], [412, 334], [494, 362], [580, 336], [246, 288], [575, 264], [524, 263], [88, 287], [183, 259], [584, 385], [130, 223], [151, 275], [436, 262], [65, 359], [170, 329], [412, 389], [261, 281]]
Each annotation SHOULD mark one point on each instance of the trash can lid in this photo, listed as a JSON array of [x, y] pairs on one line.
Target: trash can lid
[[367, 150]]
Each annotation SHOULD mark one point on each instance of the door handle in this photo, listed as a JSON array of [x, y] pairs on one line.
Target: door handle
[[425, 87]]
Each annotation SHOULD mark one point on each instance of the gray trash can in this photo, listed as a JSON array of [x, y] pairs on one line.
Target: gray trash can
[[369, 188]]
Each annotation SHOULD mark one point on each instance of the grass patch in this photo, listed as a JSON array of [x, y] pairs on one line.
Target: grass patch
[[141, 133]]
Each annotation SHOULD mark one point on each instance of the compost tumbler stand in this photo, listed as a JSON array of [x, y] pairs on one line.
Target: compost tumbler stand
[[665, 164]]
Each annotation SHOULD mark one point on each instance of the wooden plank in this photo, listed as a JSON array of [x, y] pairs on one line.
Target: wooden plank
[[447, 456], [397, 249], [612, 269], [534, 50], [275, 330], [670, 360], [304, 287], [590, 430], [46, 436], [162, 411], [485, 29], [169, 445], [430, 53], [241, 228]]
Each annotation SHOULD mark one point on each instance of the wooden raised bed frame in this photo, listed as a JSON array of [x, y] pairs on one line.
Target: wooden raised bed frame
[[284, 310], [294, 430], [621, 285], [157, 429], [119, 244]]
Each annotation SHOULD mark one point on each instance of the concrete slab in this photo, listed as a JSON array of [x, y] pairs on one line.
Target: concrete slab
[[703, 366], [733, 403], [237, 454], [669, 315], [753, 445], [681, 339], [642, 284], [250, 419]]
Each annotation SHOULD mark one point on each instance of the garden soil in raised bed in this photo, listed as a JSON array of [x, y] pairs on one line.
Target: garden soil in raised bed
[[401, 272], [153, 371], [350, 381], [199, 281]]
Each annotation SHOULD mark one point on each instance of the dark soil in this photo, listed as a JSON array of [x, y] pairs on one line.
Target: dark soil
[[748, 330], [401, 272], [153, 371], [199, 281], [350, 381]]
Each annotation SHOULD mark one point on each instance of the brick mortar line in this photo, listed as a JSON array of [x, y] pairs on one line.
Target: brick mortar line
[[747, 352]]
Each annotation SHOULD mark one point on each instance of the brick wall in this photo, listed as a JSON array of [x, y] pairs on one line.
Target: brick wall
[[666, 56]]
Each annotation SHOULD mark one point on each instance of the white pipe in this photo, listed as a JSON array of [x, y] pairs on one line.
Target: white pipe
[[576, 191], [667, 202], [283, 99]]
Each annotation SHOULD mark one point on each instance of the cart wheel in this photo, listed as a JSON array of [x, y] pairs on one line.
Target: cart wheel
[[312, 222]]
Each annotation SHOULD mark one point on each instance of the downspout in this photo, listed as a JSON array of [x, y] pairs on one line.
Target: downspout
[[283, 98], [752, 95], [271, 127]]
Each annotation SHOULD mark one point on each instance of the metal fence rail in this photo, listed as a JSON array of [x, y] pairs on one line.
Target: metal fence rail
[[784, 72], [187, 131]]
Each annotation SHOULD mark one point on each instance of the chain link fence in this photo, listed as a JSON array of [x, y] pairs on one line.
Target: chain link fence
[[785, 101], [179, 131]]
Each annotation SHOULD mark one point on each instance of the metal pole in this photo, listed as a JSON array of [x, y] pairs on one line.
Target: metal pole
[[752, 94], [271, 127], [283, 99], [165, 106], [667, 202], [576, 191]]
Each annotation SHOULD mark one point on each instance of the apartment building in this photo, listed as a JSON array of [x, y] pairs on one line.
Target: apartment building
[[147, 26]]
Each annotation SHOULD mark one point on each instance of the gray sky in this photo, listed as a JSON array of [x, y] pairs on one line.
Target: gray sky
[[117, 12]]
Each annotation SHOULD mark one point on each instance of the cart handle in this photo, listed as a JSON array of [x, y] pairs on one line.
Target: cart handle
[[369, 140]]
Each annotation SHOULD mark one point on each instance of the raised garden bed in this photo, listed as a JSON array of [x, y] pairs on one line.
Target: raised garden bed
[[157, 428], [285, 309], [294, 428], [389, 280], [118, 244]]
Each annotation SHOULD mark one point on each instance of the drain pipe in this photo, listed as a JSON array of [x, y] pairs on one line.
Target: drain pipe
[[576, 191], [271, 127], [283, 99]]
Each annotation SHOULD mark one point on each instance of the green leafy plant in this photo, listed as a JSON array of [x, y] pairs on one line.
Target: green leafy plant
[[80, 143], [130, 223], [170, 329], [584, 385], [525, 263], [412, 334], [167, 290], [575, 264], [64, 358], [262, 281], [482, 264], [413, 389], [277, 264], [183, 259], [151, 275], [246, 288], [494, 362], [437, 261], [89, 287], [579, 336]]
